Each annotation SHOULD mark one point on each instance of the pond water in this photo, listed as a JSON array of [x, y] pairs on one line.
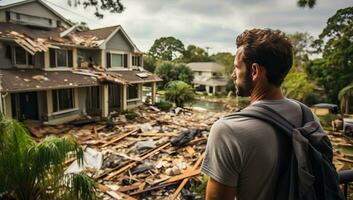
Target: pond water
[[213, 106]]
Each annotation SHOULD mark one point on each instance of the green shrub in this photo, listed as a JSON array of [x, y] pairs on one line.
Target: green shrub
[[179, 93], [164, 105], [130, 115]]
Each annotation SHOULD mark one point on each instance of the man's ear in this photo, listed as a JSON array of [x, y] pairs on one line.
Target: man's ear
[[257, 71]]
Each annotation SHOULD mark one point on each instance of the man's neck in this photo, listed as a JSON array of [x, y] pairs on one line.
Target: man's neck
[[266, 93]]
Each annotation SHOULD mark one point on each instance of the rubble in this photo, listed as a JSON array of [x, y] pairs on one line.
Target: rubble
[[138, 158], [158, 154]]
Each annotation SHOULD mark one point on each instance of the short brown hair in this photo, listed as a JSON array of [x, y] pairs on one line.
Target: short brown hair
[[268, 48]]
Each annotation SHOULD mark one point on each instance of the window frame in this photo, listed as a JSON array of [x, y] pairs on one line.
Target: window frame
[[135, 59], [122, 53], [67, 58], [57, 109], [138, 93], [27, 57]]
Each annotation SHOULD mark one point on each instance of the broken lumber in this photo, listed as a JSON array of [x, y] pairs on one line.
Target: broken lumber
[[185, 181], [129, 166], [115, 194], [121, 137], [170, 181]]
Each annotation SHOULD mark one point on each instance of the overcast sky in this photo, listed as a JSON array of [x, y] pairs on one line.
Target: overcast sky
[[205, 23]]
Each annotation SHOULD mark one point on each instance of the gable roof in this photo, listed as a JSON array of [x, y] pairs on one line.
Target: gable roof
[[42, 3], [100, 33], [119, 28], [205, 66]]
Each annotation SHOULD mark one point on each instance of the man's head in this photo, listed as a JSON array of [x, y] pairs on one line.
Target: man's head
[[264, 56]]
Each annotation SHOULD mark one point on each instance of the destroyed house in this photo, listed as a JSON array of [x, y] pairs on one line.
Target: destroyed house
[[52, 72]]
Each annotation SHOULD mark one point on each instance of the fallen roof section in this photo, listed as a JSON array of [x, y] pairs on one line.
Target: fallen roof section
[[133, 76]]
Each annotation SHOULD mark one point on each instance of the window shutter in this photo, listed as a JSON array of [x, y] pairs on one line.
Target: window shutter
[[69, 56], [139, 61], [125, 60], [52, 58], [109, 64]]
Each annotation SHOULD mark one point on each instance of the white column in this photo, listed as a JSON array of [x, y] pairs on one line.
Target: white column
[[124, 97], [105, 100], [154, 91]]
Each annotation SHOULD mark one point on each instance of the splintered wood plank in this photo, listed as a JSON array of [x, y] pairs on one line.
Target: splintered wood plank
[[113, 193], [120, 138], [185, 181], [129, 166]]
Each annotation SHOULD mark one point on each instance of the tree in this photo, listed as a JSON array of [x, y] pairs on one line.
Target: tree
[[226, 59], [31, 170], [302, 48], [345, 95], [335, 69], [149, 63], [179, 93], [195, 54], [167, 48], [297, 86], [113, 6], [306, 3], [170, 71]]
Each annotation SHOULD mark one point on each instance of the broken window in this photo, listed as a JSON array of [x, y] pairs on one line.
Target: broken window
[[118, 60], [133, 91], [63, 99], [22, 57], [136, 60]]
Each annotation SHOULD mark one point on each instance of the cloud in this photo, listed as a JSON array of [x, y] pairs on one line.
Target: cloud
[[211, 23]]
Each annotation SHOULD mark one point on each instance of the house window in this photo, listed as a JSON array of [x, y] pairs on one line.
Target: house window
[[200, 73], [136, 60], [61, 58], [22, 57], [118, 60], [63, 99], [133, 91]]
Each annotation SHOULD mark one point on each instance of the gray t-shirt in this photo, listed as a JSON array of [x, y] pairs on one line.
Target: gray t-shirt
[[243, 152]]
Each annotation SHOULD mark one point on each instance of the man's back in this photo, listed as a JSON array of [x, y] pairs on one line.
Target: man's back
[[243, 152]]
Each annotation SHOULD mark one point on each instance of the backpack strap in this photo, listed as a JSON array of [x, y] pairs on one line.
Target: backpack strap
[[266, 114]]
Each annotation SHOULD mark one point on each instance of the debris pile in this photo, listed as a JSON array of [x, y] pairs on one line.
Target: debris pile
[[154, 156]]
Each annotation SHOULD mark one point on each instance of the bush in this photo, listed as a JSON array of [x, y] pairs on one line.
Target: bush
[[169, 71], [179, 93], [164, 105], [130, 115]]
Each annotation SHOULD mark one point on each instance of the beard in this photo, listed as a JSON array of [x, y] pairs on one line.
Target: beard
[[244, 88]]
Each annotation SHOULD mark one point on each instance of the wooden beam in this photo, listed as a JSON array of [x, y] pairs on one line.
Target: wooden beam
[[113, 193], [121, 137], [129, 166], [185, 181]]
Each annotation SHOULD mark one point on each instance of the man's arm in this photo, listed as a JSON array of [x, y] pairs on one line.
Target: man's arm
[[216, 190]]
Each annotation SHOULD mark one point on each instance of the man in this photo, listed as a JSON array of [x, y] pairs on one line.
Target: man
[[242, 153]]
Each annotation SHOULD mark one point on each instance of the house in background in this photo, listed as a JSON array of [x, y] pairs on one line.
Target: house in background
[[208, 77], [53, 73]]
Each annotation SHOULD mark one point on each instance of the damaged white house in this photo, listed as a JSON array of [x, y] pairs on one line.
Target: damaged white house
[[52, 72]]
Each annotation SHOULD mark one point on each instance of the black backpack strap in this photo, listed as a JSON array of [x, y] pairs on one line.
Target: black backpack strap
[[307, 115], [266, 114]]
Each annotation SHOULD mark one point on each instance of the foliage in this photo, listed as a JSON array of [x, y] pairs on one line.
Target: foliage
[[130, 115], [302, 43], [149, 63], [170, 71], [164, 105], [31, 170], [113, 6], [200, 185], [326, 120], [226, 59], [346, 91], [335, 69], [306, 3], [297, 86], [195, 54], [179, 93], [166, 48]]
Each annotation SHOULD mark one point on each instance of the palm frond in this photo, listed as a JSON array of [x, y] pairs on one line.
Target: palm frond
[[348, 90]]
